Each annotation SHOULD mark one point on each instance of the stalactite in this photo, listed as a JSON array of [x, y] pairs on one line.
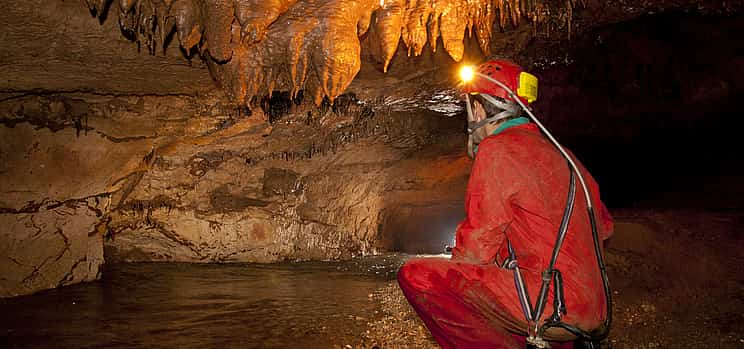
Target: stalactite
[[256, 46]]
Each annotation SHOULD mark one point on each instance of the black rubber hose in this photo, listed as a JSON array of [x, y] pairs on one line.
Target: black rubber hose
[[566, 219], [563, 229], [602, 332]]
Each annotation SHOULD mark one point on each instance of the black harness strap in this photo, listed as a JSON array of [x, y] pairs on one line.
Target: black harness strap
[[533, 316]]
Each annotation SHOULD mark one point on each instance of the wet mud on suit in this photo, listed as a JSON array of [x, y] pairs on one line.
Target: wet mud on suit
[[516, 191]]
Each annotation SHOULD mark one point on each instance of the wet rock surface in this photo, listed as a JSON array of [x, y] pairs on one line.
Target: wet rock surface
[[397, 325]]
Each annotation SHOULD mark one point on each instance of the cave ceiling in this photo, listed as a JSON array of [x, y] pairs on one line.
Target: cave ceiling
[[253, 47]]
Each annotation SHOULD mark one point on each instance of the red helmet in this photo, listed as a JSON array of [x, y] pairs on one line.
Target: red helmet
[[510, 74]]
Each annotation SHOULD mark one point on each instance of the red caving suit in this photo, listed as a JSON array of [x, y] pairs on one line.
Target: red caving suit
[[517, 190]]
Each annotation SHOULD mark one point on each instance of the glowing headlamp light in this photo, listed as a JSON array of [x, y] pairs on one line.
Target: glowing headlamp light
[[467, 73]]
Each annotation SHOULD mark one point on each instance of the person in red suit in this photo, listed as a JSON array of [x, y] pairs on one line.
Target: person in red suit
[[515, 200]]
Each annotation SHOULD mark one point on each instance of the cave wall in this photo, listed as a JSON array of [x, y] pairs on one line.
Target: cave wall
[[51, 246], [76, 120], [64, 157], [196, 179], [313, 187]]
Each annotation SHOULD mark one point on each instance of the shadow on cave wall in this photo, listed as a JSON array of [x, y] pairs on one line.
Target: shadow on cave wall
[[653, 107]]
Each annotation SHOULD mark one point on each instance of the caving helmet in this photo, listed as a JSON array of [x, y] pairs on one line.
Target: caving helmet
[[483, 84], [507, 72]]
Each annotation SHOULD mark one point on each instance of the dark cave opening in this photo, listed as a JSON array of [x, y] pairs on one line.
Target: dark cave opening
[[422, 229], [653, 107]]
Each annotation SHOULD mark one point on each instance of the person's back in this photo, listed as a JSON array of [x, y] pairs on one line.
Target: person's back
[[536, 192]]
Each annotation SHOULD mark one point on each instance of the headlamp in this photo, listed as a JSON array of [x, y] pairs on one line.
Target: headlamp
[[467, 73]]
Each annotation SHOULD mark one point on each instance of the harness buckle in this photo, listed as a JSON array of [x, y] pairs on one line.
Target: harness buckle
[[537, 342], [534, 337]]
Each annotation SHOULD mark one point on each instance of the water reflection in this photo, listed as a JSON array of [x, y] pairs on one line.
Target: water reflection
[[307, 305]]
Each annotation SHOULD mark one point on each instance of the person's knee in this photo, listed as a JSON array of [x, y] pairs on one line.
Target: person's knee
[[407, 273], [417, 273]]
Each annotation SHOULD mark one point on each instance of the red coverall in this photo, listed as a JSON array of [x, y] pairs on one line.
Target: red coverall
[[517, 191]]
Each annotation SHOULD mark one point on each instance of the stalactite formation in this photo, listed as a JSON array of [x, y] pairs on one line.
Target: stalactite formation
[[254, 47]]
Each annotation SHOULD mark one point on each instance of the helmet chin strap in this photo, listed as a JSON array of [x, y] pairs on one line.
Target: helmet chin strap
[[509, 110]]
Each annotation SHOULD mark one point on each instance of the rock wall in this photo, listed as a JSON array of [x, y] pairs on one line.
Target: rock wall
[[51, 246], [63, 159], [195, 179], [57, 173], [312, 186]]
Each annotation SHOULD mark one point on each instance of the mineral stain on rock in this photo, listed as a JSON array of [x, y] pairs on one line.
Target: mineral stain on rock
[[224, 201], [258, 232], [278, 181]]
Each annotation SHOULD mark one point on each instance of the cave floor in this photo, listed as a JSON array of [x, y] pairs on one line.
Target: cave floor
[[675, 275]]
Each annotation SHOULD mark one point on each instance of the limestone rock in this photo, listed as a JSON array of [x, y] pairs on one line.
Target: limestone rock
[[255, 197], [62, 161], [58, 245]]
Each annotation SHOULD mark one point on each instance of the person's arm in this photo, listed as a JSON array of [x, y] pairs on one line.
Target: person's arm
[[492, 184]]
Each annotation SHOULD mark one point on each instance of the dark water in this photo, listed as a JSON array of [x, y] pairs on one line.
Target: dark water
[[292, 305]]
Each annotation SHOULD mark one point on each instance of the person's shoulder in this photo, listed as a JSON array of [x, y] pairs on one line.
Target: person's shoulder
[[491, 143], [503, 140], [495, 148]]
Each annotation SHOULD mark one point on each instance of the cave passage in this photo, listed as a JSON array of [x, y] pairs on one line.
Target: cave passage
[[423, 230], [280, 220]]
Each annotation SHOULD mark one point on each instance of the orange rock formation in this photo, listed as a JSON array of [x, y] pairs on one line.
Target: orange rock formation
[[257, 46]]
